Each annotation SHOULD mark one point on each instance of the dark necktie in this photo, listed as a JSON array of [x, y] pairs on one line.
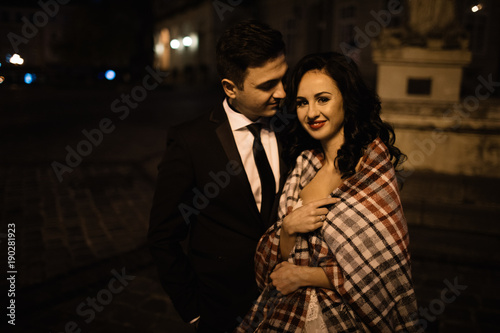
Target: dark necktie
[[265, 173]]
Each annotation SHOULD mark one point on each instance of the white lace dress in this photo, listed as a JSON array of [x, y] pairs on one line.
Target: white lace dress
[[314, 318]]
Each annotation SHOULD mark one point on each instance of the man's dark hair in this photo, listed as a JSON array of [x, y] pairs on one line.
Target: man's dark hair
[[247, 44]]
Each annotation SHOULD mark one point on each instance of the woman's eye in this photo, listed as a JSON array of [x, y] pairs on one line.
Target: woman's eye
[[323, 99], [300, 103]]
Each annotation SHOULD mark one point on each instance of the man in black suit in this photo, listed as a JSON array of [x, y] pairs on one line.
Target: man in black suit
[[219, 183]]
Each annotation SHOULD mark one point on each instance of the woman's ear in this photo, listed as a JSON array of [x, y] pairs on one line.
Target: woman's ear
[[229, 88]]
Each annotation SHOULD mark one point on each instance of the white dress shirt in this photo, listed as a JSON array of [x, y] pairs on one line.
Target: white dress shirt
[[244, 142]]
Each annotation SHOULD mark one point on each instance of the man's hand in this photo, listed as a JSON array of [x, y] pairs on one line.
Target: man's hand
[[287, 277]]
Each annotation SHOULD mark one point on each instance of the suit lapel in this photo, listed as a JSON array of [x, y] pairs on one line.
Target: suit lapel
[[226, 138], [283, 176], [283, 167]]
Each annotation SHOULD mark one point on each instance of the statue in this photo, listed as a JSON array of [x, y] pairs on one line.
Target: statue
[[431, 23], [432, 17]]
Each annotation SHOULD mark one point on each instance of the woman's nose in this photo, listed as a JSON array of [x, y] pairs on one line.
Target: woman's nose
[[312, 111]]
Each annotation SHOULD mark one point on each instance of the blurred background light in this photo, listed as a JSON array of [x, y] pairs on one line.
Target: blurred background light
[[16, 59], [174, 43], [159, 48], [2, 79], [110, 75], [187, 41], [476, 8], [29, 78]]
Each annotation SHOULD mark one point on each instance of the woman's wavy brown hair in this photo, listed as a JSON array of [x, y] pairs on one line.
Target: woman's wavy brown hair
[[362, 122]]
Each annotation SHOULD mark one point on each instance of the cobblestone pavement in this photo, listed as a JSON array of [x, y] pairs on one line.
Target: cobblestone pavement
[[83, 264], [73, 236], [455, 241]]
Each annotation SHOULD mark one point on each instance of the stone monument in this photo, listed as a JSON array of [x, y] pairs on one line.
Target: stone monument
[[422, 60], [419, 77]]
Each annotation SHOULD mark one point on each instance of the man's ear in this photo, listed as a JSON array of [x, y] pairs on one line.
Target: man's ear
[[229, 88]]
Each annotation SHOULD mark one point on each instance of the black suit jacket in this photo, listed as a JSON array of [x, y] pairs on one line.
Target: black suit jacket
[[203, 199]]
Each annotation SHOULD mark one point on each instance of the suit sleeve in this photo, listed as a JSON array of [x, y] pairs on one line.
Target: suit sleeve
[[169, 226]]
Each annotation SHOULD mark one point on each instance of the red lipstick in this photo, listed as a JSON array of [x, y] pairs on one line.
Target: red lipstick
[[316, 124]]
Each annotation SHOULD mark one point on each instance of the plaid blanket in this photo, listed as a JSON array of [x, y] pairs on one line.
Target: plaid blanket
[[362, 247]]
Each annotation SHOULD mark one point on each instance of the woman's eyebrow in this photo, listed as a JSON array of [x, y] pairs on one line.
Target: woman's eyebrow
[[316, 95], [323, 92]]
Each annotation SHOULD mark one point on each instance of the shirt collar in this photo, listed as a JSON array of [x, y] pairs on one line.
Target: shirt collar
[[237, 120]]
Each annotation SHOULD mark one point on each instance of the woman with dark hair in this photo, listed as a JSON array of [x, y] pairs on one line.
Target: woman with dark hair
[[337, 260]]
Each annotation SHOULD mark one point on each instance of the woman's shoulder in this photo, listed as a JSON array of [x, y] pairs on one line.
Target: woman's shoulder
[[375, 155], [310, 156], [306, 164], [377, 148]]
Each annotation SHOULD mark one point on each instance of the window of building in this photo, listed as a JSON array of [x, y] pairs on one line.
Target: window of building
[[419, 86]]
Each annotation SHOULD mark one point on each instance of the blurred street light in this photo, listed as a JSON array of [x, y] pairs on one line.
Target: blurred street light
[[110, 75], [16, 59], [29, 78], [159, 48], [476, 8], [187, 41], [174, 43]]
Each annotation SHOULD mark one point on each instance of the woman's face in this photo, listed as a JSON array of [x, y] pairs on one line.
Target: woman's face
[[320, 107]]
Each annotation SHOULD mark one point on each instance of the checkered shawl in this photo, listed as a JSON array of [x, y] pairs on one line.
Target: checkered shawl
[[362, 247]]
